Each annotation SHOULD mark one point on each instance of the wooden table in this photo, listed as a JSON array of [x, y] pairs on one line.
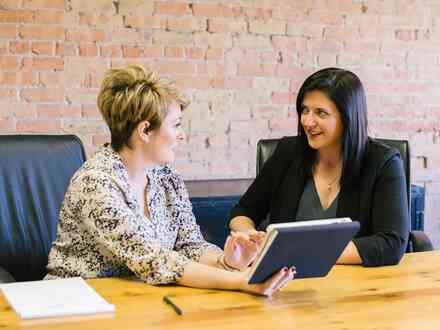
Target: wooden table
[[406, 296]]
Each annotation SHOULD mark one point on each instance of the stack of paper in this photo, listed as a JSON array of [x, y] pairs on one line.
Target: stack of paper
[[54, 298]]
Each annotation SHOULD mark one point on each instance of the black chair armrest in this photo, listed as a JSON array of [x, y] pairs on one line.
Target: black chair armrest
[[5, 277], [420, 241]]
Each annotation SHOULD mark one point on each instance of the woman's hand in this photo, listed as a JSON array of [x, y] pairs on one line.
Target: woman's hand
[[257, 236], [271, 285], [241, 249]]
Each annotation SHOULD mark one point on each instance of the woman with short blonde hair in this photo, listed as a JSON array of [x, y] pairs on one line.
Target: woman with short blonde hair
[[127, 211]]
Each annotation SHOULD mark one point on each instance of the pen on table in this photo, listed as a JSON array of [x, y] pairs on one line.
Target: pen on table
[[168, 301]]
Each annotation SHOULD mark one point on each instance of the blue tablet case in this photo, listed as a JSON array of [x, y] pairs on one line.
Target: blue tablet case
[[313, 250]]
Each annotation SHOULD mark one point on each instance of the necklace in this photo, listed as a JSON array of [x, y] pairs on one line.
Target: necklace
[[330, 184]]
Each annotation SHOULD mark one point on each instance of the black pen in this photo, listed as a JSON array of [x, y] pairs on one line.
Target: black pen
[[168, 301]]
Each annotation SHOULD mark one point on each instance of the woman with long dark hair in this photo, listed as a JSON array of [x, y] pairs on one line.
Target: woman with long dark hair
[[333, 169]]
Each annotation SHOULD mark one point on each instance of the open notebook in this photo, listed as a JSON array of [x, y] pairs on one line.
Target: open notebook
[[54, 298]]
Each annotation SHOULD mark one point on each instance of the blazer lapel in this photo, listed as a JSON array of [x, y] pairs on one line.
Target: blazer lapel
[[348, 203], [289, 194]]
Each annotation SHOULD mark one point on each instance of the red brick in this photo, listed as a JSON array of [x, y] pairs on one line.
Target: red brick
[[267, 27], [175, 67], [339, 33], [16, 16], [226, 25], [100, 19], [80, 95], [251, 41], [18, 47], [12, 4], [131, 51], [271, 56], [58, 111], [174, 52], [286, 14], [8, 94], [211, 69], [90, 111], [66, 49], [97, 6], [193, 82], [223, 40], [111, 51], [24, 78], [267, 112], [238, 83], [285, 126], [8, 31], [42, 32], [170, 38], [88, 50], [100, 139], [406, 35], [325, 17], [38, 4], [171, 8], [54, 17], [214, 53], [156, 52], [255, 69], [257, 13], [209, 10], [128, 35], [43, 48], [326, 46], [282, 98], [42, 95], [85, 35], [43, 63], [142, 22], [362, 47], [186, 24], [38, 125], [9, 62], [3, 47], [195, 53], [7, 125], [52, 79]]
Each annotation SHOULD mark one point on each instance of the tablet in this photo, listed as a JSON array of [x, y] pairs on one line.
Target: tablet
[[313, 247]]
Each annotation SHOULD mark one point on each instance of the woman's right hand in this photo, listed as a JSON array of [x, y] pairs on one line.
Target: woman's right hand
[[271, 285]]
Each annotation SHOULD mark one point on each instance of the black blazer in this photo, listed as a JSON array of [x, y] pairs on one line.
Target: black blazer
[[378, 201]]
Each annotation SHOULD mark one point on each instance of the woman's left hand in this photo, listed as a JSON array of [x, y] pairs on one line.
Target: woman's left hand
[[240, 251]]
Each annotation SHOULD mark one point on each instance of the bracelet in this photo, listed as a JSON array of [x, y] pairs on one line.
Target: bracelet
[[222, 263]]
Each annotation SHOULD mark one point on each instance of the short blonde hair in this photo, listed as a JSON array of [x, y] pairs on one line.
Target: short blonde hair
[[132, 94]]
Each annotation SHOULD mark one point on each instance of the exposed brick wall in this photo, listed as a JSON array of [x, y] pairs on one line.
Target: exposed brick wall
[[240, 62]]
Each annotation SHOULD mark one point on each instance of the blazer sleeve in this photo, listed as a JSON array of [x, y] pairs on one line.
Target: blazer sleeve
[[119, 232], [390, 218], [255, 203]]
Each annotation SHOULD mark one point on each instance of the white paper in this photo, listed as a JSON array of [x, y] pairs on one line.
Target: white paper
[[54, 298]]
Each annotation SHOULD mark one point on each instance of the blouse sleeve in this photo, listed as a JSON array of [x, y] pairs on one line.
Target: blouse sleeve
[[390, 218], [190, 241], [108, 217]]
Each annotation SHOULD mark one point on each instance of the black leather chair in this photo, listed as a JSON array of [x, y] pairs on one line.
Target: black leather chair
[[35, 171], [418, 240]]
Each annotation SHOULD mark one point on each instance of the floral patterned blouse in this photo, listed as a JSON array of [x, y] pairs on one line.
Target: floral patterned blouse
[[103, 231]]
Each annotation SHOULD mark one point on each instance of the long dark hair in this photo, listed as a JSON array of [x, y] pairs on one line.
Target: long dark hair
[[346, 91]]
